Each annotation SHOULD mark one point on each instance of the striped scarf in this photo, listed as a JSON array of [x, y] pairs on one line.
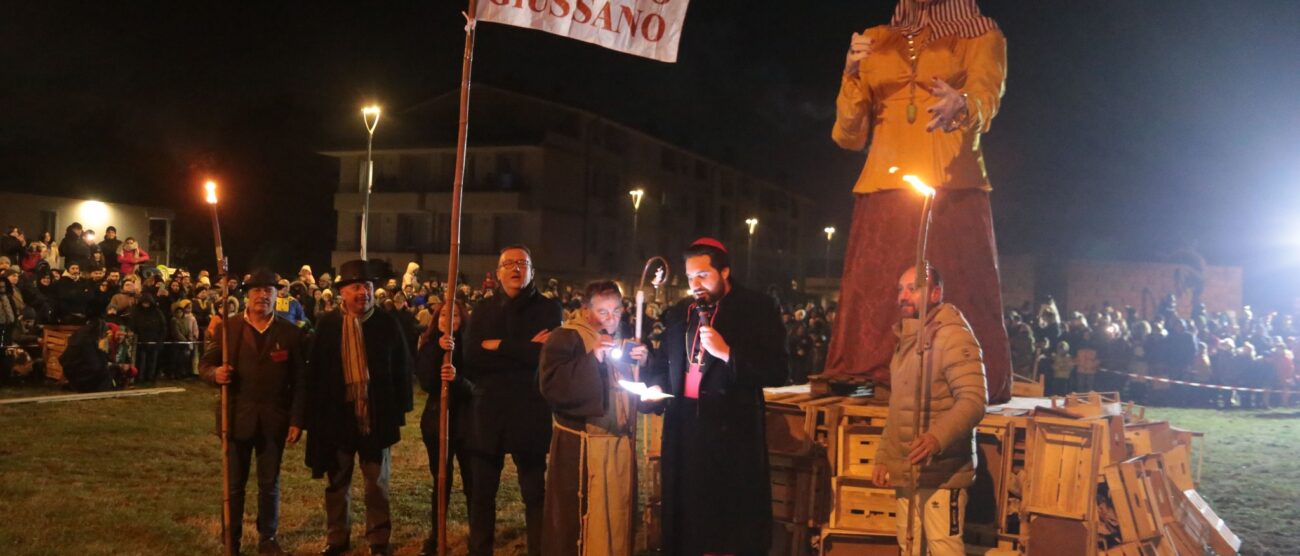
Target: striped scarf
[[356, 374], [943, 17]]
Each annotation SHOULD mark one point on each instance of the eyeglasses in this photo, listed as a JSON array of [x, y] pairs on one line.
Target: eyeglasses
[[521, 264]]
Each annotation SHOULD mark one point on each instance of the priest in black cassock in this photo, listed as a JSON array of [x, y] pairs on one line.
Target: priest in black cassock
[[591, 487], [721, 347]]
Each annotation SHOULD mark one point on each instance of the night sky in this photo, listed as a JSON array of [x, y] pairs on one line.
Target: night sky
[[1129, 129]]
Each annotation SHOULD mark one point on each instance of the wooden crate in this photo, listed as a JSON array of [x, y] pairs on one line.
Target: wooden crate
[[854, 412], [1135, 504], [1024, 388], [1161, 489], [54, 341], [1010, 515], [859, 506], [1063, 465], [1178, 466], [652, 431], [1151, 437], [1113, 447], [798, 424], [790, 539], [1200, 521], [837, 542], [856, 448], [801, 488], [1058, 536]]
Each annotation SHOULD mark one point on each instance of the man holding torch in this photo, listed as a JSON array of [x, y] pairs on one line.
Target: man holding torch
[[266, 375], [939, 462]]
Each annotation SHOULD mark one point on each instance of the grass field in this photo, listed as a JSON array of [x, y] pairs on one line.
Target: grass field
[[140, 476]]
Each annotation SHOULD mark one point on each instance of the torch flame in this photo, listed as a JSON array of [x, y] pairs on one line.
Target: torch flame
[[919, 185], [211, 188]]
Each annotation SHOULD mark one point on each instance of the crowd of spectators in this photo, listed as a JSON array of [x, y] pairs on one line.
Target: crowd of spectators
[[149, 322], [1112, 349]]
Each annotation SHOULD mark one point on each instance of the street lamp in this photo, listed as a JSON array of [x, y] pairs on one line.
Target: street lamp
[[830, 233], [369, 115], [752, 222]]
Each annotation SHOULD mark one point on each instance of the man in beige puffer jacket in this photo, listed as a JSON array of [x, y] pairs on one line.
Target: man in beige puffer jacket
[[958, 395]]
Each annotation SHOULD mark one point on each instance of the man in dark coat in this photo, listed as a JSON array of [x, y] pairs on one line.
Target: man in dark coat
[[109, 248], [73, 248], [720, 348], [359, 391], [508, 415], [266, 372]]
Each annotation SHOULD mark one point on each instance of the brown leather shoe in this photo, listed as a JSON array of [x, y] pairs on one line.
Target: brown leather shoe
[[335, 550]]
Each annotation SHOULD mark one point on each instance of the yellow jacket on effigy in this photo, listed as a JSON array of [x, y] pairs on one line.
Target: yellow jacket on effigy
[[874, 107]]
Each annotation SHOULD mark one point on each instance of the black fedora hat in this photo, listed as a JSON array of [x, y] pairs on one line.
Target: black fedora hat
[[261, 278], [355, 271]]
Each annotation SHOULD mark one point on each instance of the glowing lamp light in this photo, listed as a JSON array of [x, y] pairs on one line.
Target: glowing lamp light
[[210, 189], [893, 169], [752, 223], [616, 353], [919, 186], [830, 232], [636, 194], [370, 115], [93, 213]]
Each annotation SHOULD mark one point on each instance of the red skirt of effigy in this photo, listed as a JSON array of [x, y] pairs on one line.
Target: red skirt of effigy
[[882, 244]]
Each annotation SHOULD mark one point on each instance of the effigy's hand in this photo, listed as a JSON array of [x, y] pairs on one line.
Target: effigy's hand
[[948, 113], [859, 48]]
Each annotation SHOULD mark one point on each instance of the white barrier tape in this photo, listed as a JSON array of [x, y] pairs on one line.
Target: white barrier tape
[[1198, 384]]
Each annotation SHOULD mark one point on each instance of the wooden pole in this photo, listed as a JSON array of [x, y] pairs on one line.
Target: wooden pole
[[222, 271], [453, 264], [922, 281]]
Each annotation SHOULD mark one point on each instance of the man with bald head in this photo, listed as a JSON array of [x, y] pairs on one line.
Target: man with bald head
[[508, 415]]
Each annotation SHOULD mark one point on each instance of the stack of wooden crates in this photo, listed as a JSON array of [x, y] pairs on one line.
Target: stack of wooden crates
[[1081, 475]]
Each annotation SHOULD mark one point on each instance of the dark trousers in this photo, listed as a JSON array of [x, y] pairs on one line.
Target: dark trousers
[[146, 361], [455, 452], [486, 471], [269, 450], [376, 467]]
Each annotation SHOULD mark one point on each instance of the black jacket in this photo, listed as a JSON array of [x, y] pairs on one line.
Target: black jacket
[[331, 424], [428, 370], [269, 390], [508, 414], [717, 444]]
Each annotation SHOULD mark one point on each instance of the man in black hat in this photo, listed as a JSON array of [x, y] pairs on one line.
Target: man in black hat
[[266, 372], [359, 391]]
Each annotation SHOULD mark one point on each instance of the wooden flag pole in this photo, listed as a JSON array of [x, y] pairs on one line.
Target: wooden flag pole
[[453, 265]]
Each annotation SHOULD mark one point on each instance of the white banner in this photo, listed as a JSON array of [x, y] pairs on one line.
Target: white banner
[[649, 28]]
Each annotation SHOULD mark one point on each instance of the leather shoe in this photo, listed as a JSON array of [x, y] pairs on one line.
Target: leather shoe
[[270, 547], [379, 550], [430, 547], [335, 550]]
